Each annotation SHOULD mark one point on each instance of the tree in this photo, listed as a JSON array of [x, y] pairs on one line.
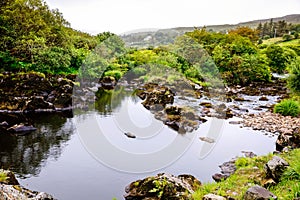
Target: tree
[[294, 78], [245, 31], [279, 57], [259, 30]]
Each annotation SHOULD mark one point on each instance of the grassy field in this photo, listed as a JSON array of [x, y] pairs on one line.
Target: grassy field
[[250, 171], [280, 41]]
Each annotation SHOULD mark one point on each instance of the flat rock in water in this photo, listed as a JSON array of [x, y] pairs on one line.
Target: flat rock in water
[[207, 139], [129, 135], [21, 128]]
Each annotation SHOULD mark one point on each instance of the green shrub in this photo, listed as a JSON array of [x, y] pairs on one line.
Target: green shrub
[[139, 71], [114, 73], [294, 78], [279, 57], [287, 37], [288, 107]]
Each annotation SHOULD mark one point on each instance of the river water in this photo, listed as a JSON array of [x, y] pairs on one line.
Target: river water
[[59, 159]]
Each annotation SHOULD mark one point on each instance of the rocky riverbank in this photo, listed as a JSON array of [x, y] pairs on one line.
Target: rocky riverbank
[[286, 127], [35, 92], [10, 189]]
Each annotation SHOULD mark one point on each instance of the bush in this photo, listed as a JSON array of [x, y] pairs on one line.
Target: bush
[[294, 78], [279, 57], [287, 37], [288, 107], [139, 71], [114, 73]]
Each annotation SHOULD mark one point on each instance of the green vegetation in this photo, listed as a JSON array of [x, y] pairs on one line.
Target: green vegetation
[[36, 38], [33, 37], [288, 107], [3, 177], [294, 78], [250, 171]]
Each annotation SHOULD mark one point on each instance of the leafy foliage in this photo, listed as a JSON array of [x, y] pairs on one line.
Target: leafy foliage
[[288, 107], [279, 57], [294, 78]]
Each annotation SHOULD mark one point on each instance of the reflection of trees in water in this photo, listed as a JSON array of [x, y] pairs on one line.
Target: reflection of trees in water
[[109, 100], [25, 155]]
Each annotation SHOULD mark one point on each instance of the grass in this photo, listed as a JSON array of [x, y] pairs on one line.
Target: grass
[[280, 42], [3, 177], [250, 171], [288, 107]]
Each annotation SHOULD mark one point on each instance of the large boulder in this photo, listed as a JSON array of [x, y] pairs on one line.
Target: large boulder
[[163, 186], [275, 167], [38, 103], [16, 192], [258, 193]]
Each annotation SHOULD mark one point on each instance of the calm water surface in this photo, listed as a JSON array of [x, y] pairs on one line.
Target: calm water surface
[[54, 159]]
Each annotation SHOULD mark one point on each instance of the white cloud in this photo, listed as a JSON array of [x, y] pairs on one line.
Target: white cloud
[[119, 16]]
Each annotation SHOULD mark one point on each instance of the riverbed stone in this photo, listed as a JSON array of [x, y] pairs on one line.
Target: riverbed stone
[[258, 193], [163, 186], [153, 94], [213, 197], [275, 167], [21, 128]]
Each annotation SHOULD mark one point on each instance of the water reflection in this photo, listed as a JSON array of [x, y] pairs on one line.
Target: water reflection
[[109, 100], [27, 154]]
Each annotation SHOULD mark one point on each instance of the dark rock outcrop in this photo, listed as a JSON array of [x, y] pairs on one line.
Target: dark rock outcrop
[[163, 186], [180, 119], [154, 94], [258, 193]]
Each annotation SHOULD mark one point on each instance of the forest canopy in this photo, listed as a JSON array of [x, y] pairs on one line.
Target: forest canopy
[[37, 38]]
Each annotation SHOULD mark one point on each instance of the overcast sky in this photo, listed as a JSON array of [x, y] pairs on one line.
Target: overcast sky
[[119, 16]]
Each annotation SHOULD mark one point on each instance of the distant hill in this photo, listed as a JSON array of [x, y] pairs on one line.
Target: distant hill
[[154, 37]]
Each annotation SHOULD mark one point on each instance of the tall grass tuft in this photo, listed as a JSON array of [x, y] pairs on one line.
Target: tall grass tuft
[[288, 107]]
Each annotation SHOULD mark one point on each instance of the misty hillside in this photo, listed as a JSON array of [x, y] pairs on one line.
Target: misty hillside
[[164, 36]]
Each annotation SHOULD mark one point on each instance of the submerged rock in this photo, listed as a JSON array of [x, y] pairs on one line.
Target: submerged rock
[[163, 186], [207, 139], [258, 193]]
